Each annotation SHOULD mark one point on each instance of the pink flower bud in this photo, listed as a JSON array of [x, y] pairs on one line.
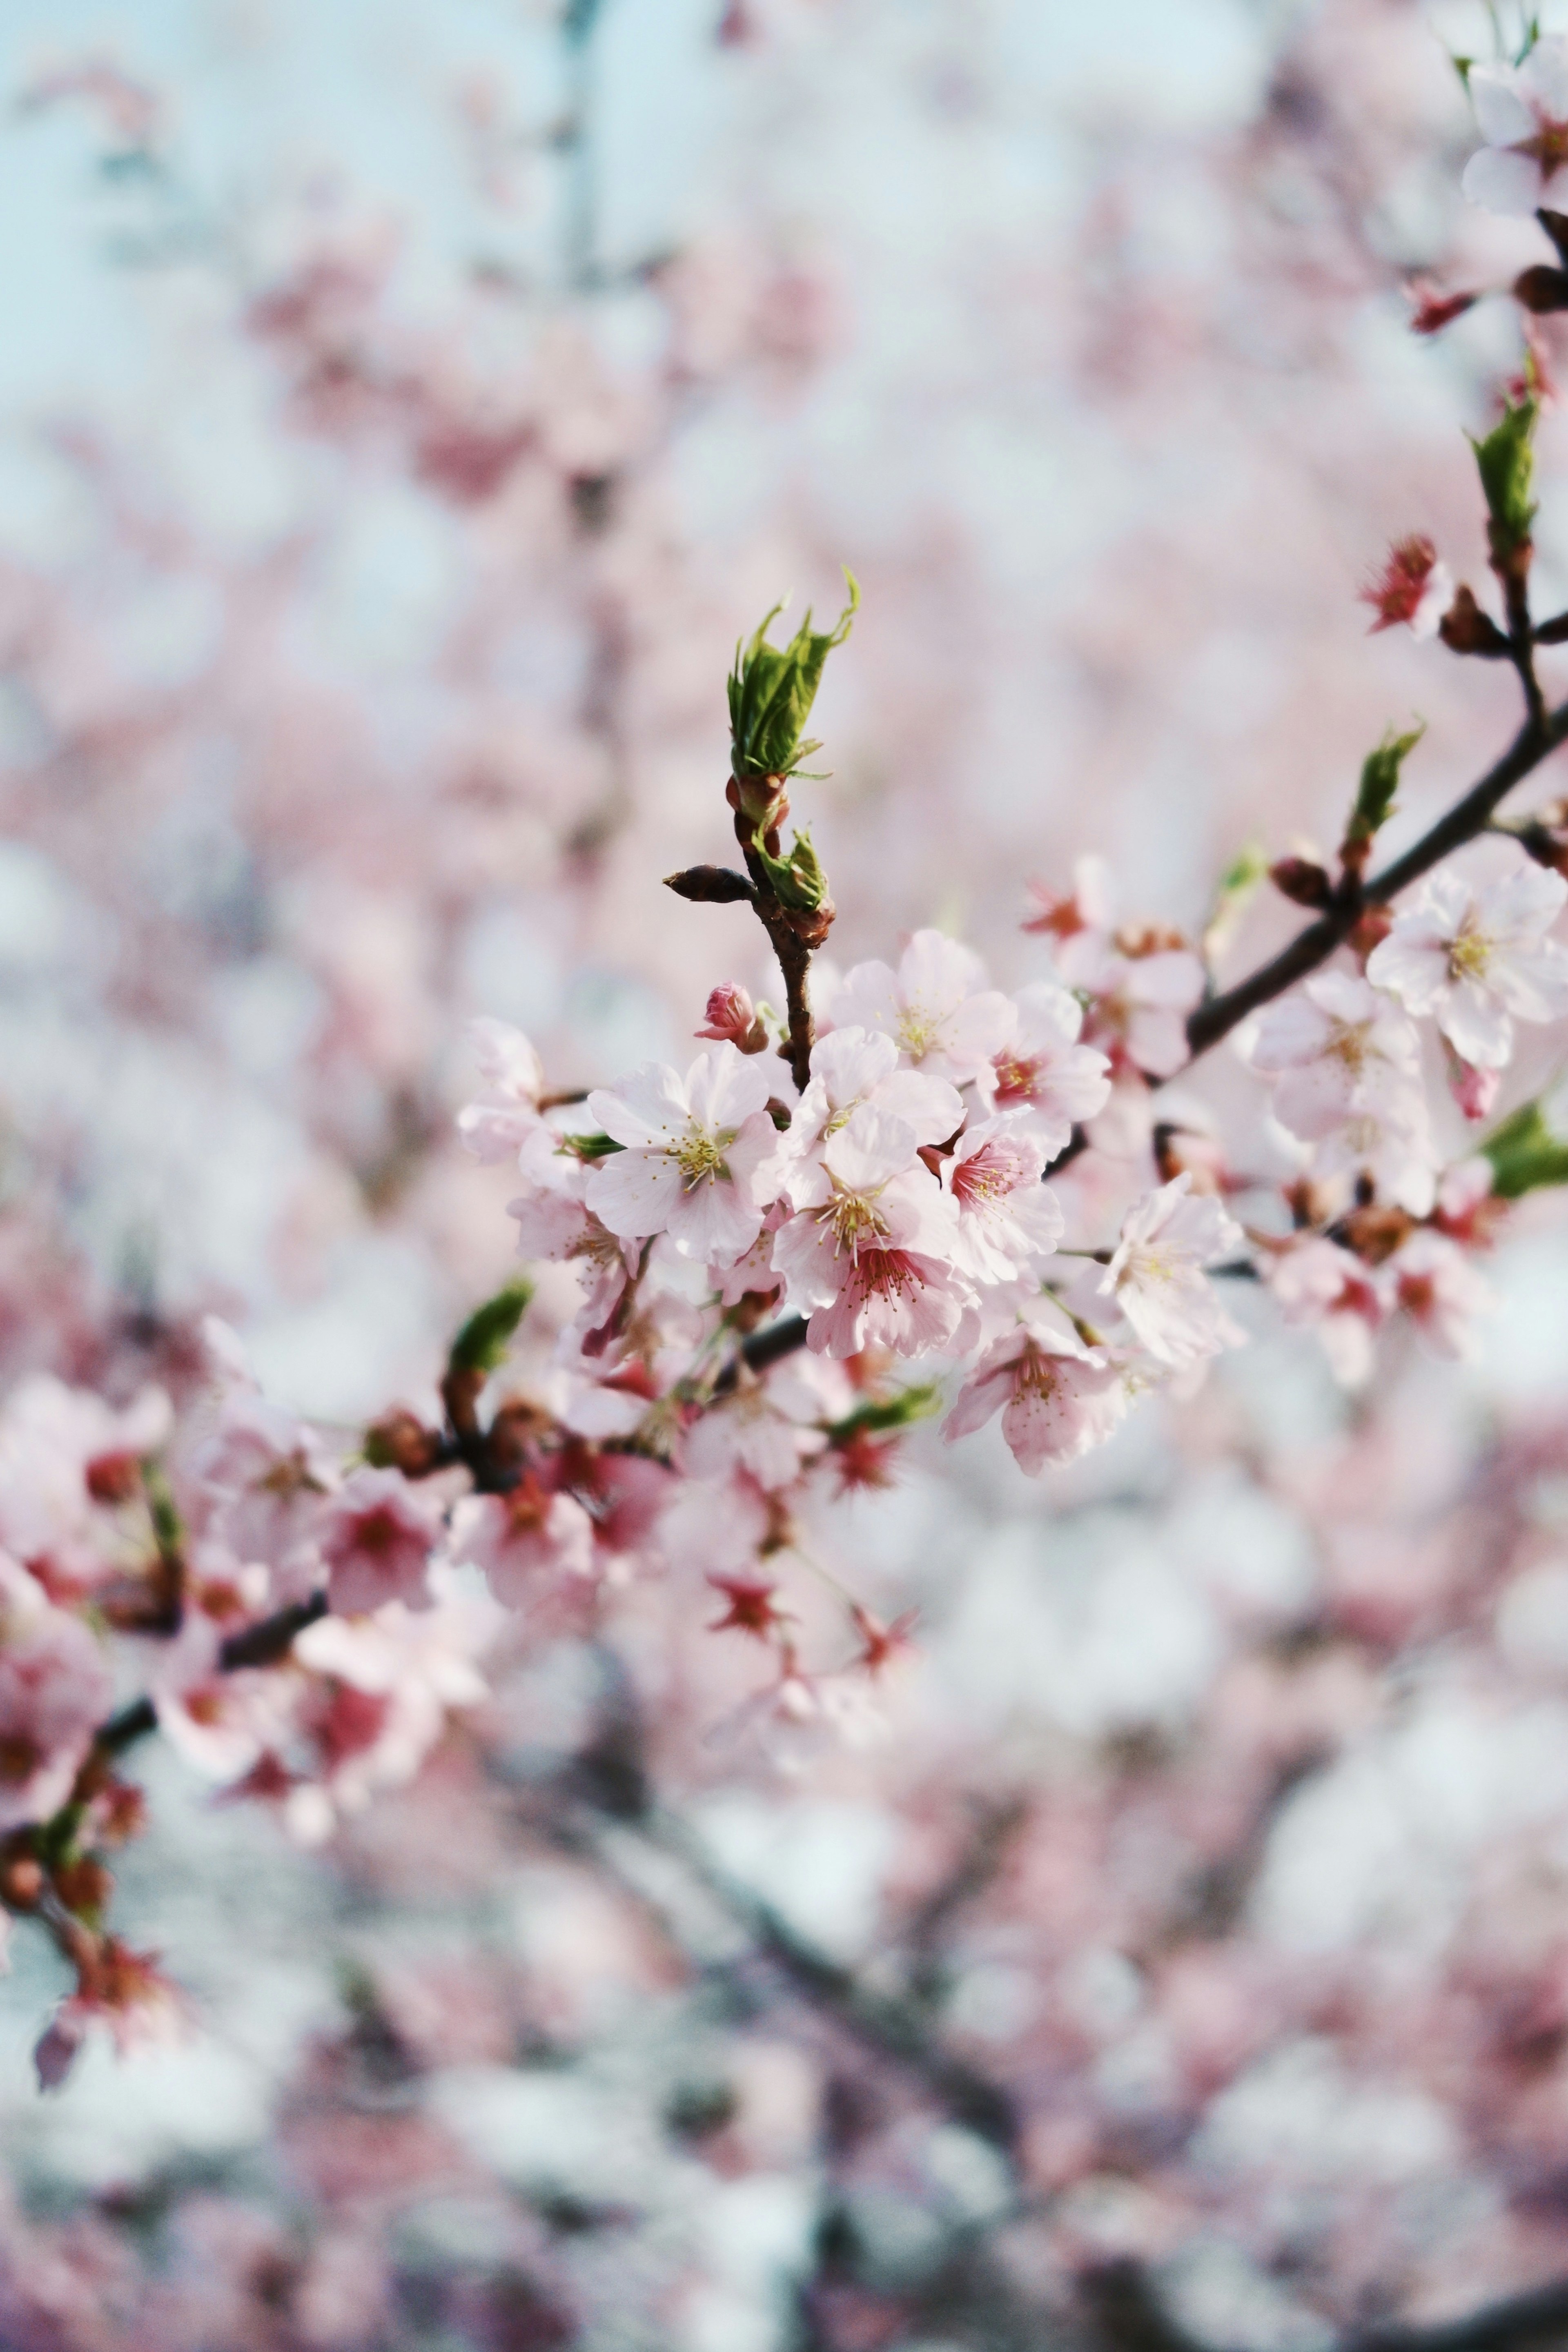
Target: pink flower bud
[[1474, 1091], [732, 1018]]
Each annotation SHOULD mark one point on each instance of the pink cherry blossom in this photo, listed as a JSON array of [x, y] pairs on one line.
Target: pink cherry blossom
[[764, 1427], [498, 1121], [1432, 1281], [1079, 921], [1057, 1397], [868, 1254], [1414, 590], [1523, 113], [555, 1223], [691, 1152], [402, 1672], [1043, 1075], [1156, 1274], [377, 1540], [731, 1015], [936, 1007], [55, 1690], [848, 1067], [63, 1453], [1479, 959], [1139, 1006], [1327, 1288], [125, 1992], [1007, 1219], [522, 1537], [269, 1476]]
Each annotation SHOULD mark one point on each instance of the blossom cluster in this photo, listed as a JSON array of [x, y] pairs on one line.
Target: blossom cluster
[[908, 1167]]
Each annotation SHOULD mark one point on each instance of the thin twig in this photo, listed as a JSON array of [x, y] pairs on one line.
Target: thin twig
[[1313, 946]]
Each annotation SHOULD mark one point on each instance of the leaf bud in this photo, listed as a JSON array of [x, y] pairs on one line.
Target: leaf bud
[[1375, 794], [771, 690], [1505, 458], [716, 886], [1466, 629], [1301, 880]]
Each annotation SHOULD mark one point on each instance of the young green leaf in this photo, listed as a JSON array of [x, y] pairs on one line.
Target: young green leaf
[[771, 689], [1375, 795], [481, 1344], [1525, 1154], [1505, 460]]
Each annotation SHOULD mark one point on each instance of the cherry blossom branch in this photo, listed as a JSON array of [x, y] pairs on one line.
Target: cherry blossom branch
[[1468, 817]]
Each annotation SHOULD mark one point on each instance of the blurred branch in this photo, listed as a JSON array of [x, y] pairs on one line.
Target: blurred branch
[[617, 1819]]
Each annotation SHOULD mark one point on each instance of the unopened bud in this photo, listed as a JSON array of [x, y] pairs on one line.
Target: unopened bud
[[1466, 629], [716, 885], [21, 1882], [732, 1018], [1302, 880], [1474, 1090], [113, 1477]]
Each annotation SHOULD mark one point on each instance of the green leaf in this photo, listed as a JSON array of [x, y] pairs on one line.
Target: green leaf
[[898, 1411], [1379, 783], [1505, 462], [771, 689], [591, 1147], [1525, 1154], [481, 1344], [797, 880]]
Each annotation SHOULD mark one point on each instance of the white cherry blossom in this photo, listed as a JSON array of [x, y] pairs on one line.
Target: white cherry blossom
[[936, 1007], [691, 1149], [1336, 1049], [498, 1122], [1156, 1274], [1479, 959], [1523, 113]]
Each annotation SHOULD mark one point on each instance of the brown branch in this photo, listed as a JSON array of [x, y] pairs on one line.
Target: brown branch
[[1310, 948]]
